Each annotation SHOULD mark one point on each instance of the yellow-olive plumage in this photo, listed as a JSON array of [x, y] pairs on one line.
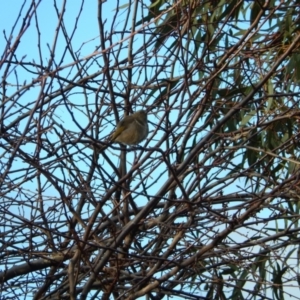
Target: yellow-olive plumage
[[132, 129]]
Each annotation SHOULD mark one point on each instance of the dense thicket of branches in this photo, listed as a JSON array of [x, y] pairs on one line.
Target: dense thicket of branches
[[207, 207]]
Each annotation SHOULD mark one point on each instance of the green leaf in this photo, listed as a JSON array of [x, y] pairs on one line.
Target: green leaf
[[248, 117]]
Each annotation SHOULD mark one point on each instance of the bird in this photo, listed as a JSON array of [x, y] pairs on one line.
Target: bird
[[131, 130]]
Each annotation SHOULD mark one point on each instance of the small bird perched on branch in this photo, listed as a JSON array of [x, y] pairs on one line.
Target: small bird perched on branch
[[132, 129]]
